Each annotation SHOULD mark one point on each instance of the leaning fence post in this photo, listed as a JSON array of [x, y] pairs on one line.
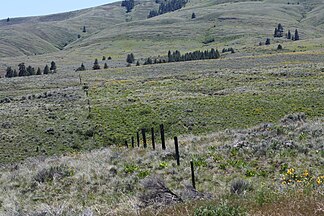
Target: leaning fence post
[[162, 136], [193, 175], [133, 143], [138, 139], [144, 138], [153, 138], [177, 155]]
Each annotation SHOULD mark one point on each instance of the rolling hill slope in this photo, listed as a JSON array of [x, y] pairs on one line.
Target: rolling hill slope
[[238, 23]]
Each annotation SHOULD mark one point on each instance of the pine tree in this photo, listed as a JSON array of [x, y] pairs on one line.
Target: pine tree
[[130, 58], [30, 71], [193, 16], [129, 4], [81, 68], [296, 35], [289, 35], [9, 72], [22, 70], [8, 19], [96, 65], [53, 67], [105, 66], [39, 72], [279, 47], [137, 63], [267, 41], [15, 74], [103, 58], [84, 29], [275, 33], [46, 70]]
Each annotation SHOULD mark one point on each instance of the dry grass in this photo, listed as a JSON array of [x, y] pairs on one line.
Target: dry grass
[[108, 181]]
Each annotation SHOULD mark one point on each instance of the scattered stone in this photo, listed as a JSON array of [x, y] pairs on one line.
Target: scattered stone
[[6, 125], [50, 130]]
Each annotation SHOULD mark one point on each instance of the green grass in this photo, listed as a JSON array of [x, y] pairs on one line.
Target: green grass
[[202, 103]]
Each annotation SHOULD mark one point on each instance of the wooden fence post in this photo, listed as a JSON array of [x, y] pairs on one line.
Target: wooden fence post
[[193, 175], [126, 144], [153, 138], [162, 136], [144, 138], [177, 155], [138, 139], [89, 106], [133, 143]]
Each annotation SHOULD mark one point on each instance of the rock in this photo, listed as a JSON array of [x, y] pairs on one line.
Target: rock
[[50, 130], [6, 125]]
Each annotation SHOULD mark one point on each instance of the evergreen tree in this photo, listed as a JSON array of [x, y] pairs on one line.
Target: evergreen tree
[[267, 41], [84, 29], [81, 68], [296, 35], [96, 65], [275, 34], [53, 67], [170, 57], [129, 4], [193, 16], [130, 58], [9, 72], [289, 35], [15, 74], [46, 70], [148, 61], [39, 72], [8, 19], [103, 58], [137, 63], [279, 47], [168, 6], [105, 66], [22, 70], [30, 71]]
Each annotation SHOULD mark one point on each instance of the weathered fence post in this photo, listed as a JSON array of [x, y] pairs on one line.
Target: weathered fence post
[[133, 143], [153, 138], [162, 136], [177, 155], [144, 138], [193, 175], [126, 144], [138, 139], [89, 106]]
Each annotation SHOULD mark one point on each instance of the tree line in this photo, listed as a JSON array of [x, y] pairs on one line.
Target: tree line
[[29, 71], [279, 32], [176, 56], [96, 65], [167, 6], [191, 56]]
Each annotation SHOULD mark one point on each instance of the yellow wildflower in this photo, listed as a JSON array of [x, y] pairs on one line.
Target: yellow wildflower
[[290, 171], [319, 180], [306, 173]]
